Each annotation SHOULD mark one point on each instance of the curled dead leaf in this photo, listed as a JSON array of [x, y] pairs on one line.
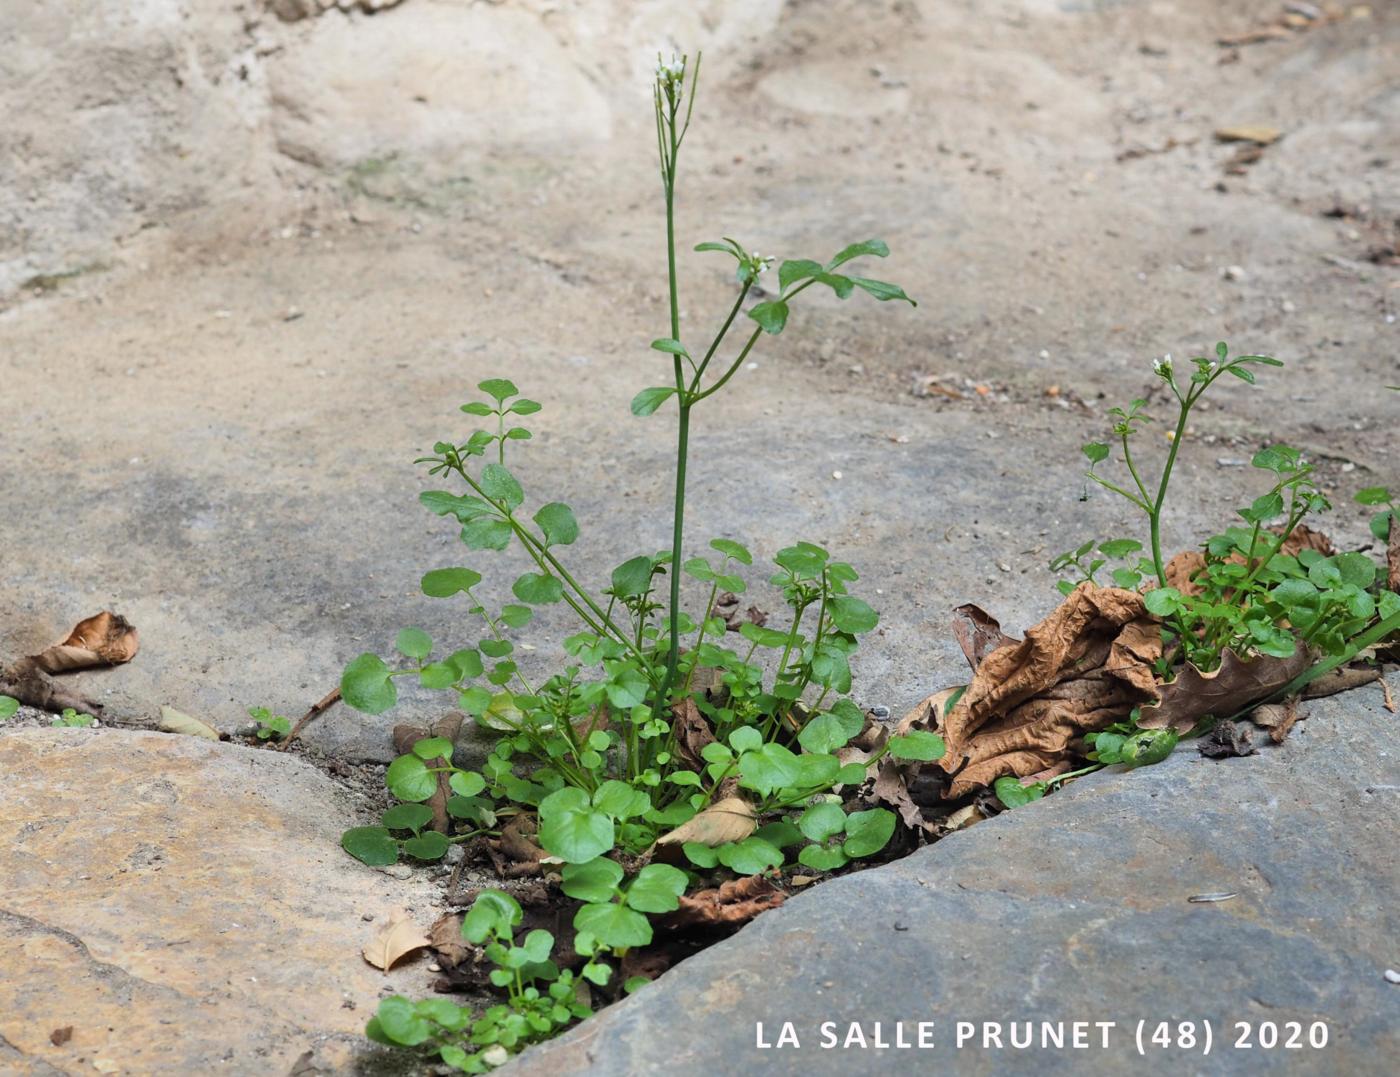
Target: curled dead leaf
[[445, 938], [173, 721], [29, 684], [978, 633], [692, 732], [732, 903], [104, 639], [1226, 691], [730, 819], [396, 938]]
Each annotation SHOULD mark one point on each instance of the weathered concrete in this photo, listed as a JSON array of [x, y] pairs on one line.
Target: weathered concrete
[[183, 907], [1075, 908]]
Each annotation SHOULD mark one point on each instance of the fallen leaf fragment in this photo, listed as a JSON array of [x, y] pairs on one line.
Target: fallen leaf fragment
[[730, 819], [104, 639], [59, 1036], [396, 938], [173, 721], [692, 733], [1227, 740], [1256, 133], [978, 633], [1277, 718], [29, 684], [733, 903], [445, 938], [1080, 670], [1238, 682]]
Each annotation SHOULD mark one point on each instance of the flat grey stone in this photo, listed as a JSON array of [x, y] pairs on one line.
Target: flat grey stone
[[1074, 908]]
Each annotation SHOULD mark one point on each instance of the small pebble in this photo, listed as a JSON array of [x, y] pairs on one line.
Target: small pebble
[[836, 474], [881, 712], [1392, 976], [1003, 566], [1288, 306], [1234, 273], [1229, 461]]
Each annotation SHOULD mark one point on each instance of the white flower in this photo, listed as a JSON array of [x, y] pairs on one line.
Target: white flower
[[760, 262], [1163, 367], [670, 72]]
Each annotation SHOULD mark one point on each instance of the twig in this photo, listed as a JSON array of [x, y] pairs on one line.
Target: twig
[[330, 698]]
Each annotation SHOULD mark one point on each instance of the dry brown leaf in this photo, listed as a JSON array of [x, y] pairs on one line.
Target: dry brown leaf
[[445, 938], [517, 841], [173, 721], [730, 819], [1277, 718], [978, 633], [396, 938], [1226, 691], [104, 639], [692, 732], [1181, 572], [1305, 538], [1079, 670], [733, 903], [1342, 679]]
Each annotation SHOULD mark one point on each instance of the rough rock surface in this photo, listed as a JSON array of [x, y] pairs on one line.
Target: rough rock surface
[[1075, 908], [183, 907]]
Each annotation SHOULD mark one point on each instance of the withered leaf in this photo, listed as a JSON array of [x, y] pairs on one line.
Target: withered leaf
[[104, 639], [29, 684], [396, 938], [445, 938], [730, 819], [735, 902], [1079, 670], [1277, 718], [1238, 682], [692, 732], [978, 633], [173, 721]]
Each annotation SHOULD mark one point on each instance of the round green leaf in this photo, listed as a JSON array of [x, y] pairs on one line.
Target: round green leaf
[[1162, 601], [557, 522], [751, 856], [446, 582], [371, 845], [702, 856], [920, 746], [732, 550], [613, 925], [427, 846], [487, 533], [413, 643], [433, 748], [594, 881], [366, 685], [493, 911], [466, 783], [498, 388], [571, 828], [1013, 794], [8, 706], [867, 832], [820, 858], [822, 820], [500, 485], [406, 816], [401, 1023], [657, 888], [852, 614], [538, 589], [408, 778]]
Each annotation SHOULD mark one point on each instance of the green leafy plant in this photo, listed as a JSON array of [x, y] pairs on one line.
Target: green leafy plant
[[71, 719], [656, 715], [8, 706], [270, 726], [594, 750], [1248, 595], [539, 998]]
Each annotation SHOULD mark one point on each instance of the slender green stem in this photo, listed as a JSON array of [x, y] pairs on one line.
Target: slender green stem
[[1155, 513], [714, 344], [733, 368], [700, 636]]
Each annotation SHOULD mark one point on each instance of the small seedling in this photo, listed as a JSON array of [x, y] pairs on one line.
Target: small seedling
[[270, 726], [71, 719]]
